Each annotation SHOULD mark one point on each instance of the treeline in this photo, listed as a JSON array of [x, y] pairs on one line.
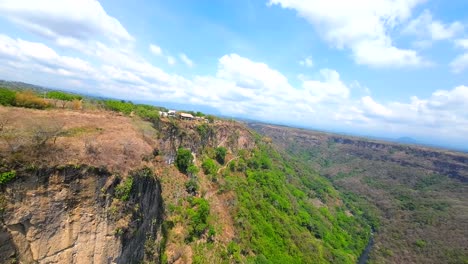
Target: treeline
[[31, 99]]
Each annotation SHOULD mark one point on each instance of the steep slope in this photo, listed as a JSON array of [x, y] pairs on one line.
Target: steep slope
[[96, 185], [416, 196], [80, 191], [65, 215]]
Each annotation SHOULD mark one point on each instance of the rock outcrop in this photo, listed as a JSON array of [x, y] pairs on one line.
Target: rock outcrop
[[68, 215]]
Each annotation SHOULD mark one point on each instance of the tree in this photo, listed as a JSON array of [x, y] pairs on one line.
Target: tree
[[7, 97], [209, 167], [183, 159], [63, 97], [220, 154], [29, 99], [210, 118]]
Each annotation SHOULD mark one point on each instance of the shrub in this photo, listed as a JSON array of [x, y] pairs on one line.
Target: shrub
[[30, 100], [122, 191], [64, 97], [7, 97], [220, 154], [198, 217], [77, 104], [6, 177], [192, 187], [119, 106], [193, 170], [147, 112], [183, 159], [210, 118], [209, 167]]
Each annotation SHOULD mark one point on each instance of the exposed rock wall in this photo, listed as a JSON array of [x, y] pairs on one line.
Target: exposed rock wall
[[62, 215]]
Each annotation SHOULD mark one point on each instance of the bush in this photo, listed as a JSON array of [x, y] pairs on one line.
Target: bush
[[119, 106], [198, 217], [29, 100], [220, 154], [209, 167], [77, 104], [6, 177], [192, 187], [64, 97], [183, 159], [7, 97], [122, 191], [193, 170], [210, 118], [147, 112]]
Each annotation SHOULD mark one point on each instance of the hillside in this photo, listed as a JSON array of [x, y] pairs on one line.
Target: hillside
[[139, 187], [418, 196], [88, 180]]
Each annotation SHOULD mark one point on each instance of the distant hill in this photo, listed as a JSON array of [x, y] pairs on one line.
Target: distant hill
[[407, 140]]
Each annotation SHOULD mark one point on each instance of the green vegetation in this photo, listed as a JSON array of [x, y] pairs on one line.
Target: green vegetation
[[123, 190], [396, 192], [63, 96], [220, 153], [198, 217], [276, 221], [184, 159], [119, 106], [209, 167], [192, 187], [146, 112], [6, 177], [7, 97]]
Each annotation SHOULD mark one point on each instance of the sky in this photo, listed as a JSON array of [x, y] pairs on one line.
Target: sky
[[382, 68]]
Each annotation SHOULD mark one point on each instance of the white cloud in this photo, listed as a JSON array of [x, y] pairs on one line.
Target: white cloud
[[241, 86], [65, 21], [331, 88], [41, 57], [171, 60], [460, 63], [375, 108], [462, 43], [362, 26], [425, 27], [186, 60], [307, 62], [155, 49]]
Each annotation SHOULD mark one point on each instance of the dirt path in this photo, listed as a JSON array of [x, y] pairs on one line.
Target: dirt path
[[226, 163]]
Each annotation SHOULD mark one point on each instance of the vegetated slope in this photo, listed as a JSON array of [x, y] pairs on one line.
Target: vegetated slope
[[227, 195], [418, 195]]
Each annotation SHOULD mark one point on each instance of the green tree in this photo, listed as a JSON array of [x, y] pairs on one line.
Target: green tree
[[119, 106], [184, 159], [209, 167], [7, 97], [220, 154], [63, 96], [122, 191]]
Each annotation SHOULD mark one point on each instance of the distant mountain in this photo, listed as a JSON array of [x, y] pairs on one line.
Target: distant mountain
[[407, 140]]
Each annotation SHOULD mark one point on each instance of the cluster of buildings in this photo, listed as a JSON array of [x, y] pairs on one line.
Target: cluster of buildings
[[181, 115]]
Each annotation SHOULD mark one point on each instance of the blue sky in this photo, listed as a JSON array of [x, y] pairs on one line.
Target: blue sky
[[387, 68]]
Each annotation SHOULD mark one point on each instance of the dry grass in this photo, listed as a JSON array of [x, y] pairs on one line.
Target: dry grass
[[94, 138]]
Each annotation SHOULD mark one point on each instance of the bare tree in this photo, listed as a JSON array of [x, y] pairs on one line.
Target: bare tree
[[42, 134]]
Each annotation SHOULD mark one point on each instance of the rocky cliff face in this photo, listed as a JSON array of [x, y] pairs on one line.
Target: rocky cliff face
[[69, 215]]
